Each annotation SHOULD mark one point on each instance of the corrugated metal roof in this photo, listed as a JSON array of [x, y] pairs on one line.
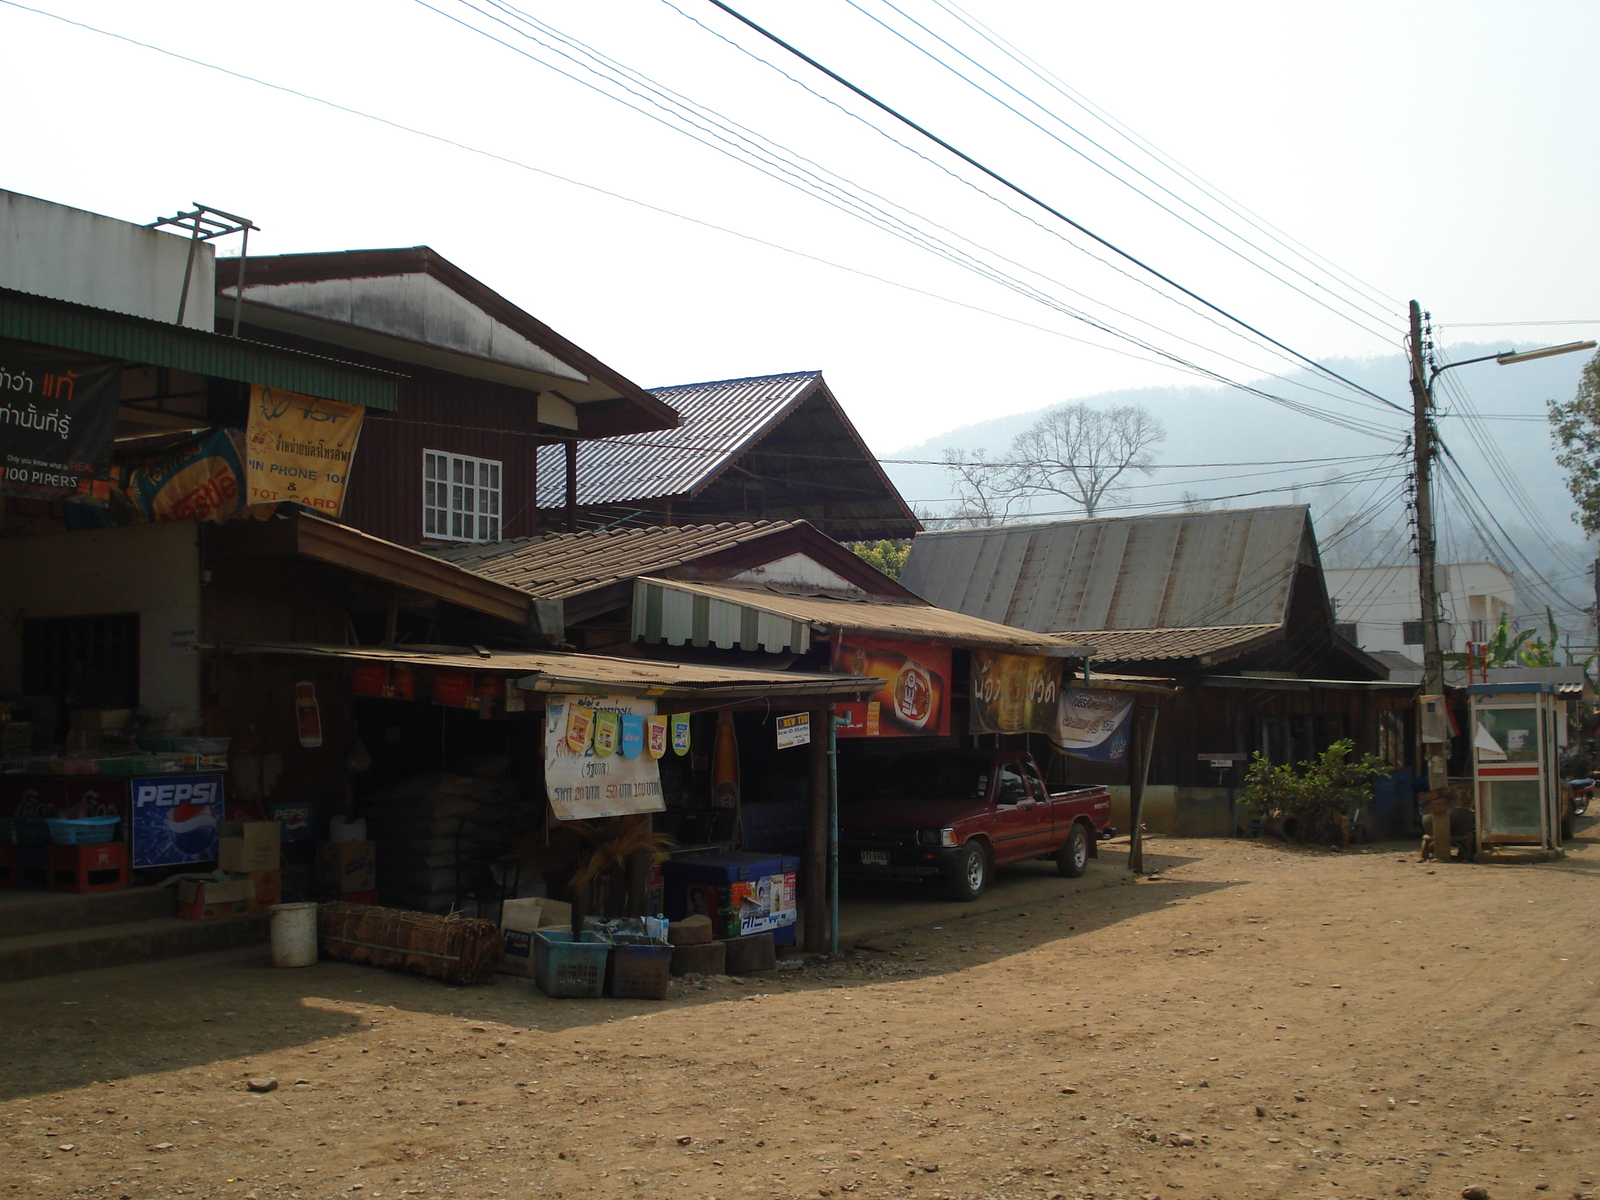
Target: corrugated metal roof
[[559, 671], [718, 420], [873, 616], [51, 322], [558, 565], [1154, 645], [1184, 570]]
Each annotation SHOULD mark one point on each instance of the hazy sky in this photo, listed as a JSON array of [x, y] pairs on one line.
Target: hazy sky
[[1442, 151]]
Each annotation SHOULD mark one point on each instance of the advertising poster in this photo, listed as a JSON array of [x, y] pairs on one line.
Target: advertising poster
[[1014, 693], [655, 736], [1094, 725], [794, 730], [58, 415], [175, 819], [582, 784], [915, 700], [298, 448], [202, 481], [765, 904]]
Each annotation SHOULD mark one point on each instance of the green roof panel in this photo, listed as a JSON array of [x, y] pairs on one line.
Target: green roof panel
[[51, 322]]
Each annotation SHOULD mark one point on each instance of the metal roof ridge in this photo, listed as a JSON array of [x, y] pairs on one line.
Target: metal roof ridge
[[1016, 526], [671, 387]]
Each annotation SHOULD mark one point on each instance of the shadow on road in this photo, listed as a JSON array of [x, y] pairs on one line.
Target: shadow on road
[[139, 1024]]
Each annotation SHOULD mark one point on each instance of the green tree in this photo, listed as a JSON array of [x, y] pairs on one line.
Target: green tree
[[1575, 429], [889, 556], [1322, 793]]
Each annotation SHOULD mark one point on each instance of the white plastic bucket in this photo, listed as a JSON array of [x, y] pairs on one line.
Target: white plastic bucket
[[294, 934]]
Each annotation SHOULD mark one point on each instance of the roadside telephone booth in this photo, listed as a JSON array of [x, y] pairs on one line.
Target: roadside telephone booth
[[1517, 732]]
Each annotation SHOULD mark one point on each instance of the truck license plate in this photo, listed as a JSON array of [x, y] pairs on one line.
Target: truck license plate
[[875, 858]]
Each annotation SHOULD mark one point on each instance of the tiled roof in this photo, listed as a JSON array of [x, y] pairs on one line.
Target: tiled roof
[[557, 565], [1155, 645], [718, 421]]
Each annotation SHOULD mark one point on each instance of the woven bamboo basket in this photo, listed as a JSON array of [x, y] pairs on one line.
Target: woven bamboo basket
[[455, 949]]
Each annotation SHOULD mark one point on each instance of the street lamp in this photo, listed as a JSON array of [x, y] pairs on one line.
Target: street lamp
[[1422, 441]]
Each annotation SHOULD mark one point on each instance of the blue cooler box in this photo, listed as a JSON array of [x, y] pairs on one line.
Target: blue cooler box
[[743, 892]]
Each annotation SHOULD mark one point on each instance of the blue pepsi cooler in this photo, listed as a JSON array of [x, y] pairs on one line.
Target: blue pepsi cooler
[[743, 892]]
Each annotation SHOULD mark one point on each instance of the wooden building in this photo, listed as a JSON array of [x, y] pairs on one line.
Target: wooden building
[[482, 386], [1229, 605], [765, 448]]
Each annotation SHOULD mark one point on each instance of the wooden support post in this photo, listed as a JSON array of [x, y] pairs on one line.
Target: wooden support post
[[572, 486], [815, 876], [1135, 791]]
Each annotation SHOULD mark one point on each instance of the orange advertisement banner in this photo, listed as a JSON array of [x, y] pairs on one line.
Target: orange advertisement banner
[[914, 700]]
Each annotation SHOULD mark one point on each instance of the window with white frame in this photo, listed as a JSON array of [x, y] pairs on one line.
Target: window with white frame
[[460, 497]]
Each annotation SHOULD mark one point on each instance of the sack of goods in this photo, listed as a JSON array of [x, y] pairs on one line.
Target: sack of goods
[[441, 832]]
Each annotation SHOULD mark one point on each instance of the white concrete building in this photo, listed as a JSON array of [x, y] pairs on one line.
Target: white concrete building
[[1380, 608]]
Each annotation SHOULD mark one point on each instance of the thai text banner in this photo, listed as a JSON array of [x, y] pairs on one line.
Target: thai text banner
[[595, 782], [299, 448], [58, 416], [1094, 725], [1014, 693]]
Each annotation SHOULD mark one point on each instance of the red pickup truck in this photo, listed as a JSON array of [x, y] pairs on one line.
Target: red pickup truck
[[954, 815]]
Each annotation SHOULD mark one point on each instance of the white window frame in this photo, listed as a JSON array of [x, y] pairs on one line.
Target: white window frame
[[461, 497]]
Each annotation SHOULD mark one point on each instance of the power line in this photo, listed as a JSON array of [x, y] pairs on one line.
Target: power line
[[1372, 294], [1385, 335], [895, 226], [442, 139], [995, 175]]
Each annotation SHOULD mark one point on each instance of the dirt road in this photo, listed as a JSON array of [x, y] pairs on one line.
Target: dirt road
[[1254, 1022]]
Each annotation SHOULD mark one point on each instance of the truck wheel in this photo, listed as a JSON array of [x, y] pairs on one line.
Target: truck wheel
[[970, 878], [1072, 860]]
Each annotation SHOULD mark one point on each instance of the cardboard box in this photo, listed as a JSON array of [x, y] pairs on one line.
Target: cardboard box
[[268, 889], [208, 899], [346, 867], [518, 920], [101, 720], [247, 846]]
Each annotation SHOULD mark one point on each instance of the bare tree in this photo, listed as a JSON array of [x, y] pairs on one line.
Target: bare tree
[[988, 492], [1081, 453]]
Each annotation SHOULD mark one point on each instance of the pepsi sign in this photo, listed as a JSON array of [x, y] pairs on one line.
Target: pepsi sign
[[175, 819]]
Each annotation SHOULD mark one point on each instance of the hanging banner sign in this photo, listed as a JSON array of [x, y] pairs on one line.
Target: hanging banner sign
[[299, 448], [202, 481], [1094, 725], [915, 698], [680, 733], [605, 733], [580, 727], [794, 730], [58, 416], [655, 736], [1014, 693], [583, 784], [632, 735]]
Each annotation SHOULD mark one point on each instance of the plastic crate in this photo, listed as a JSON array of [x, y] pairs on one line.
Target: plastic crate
[[82, 831], [567, 968], [32, 831], [639, 970]]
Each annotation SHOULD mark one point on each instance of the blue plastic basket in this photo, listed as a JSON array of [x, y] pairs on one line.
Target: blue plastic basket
[[566, 968], [82, 831], [640, 969]]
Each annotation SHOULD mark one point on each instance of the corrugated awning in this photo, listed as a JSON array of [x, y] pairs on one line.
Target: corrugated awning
[[563, 672], [724, 615], [51, 322]]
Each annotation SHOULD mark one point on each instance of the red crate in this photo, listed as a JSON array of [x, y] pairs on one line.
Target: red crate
[[99, 868], [24, 866]]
